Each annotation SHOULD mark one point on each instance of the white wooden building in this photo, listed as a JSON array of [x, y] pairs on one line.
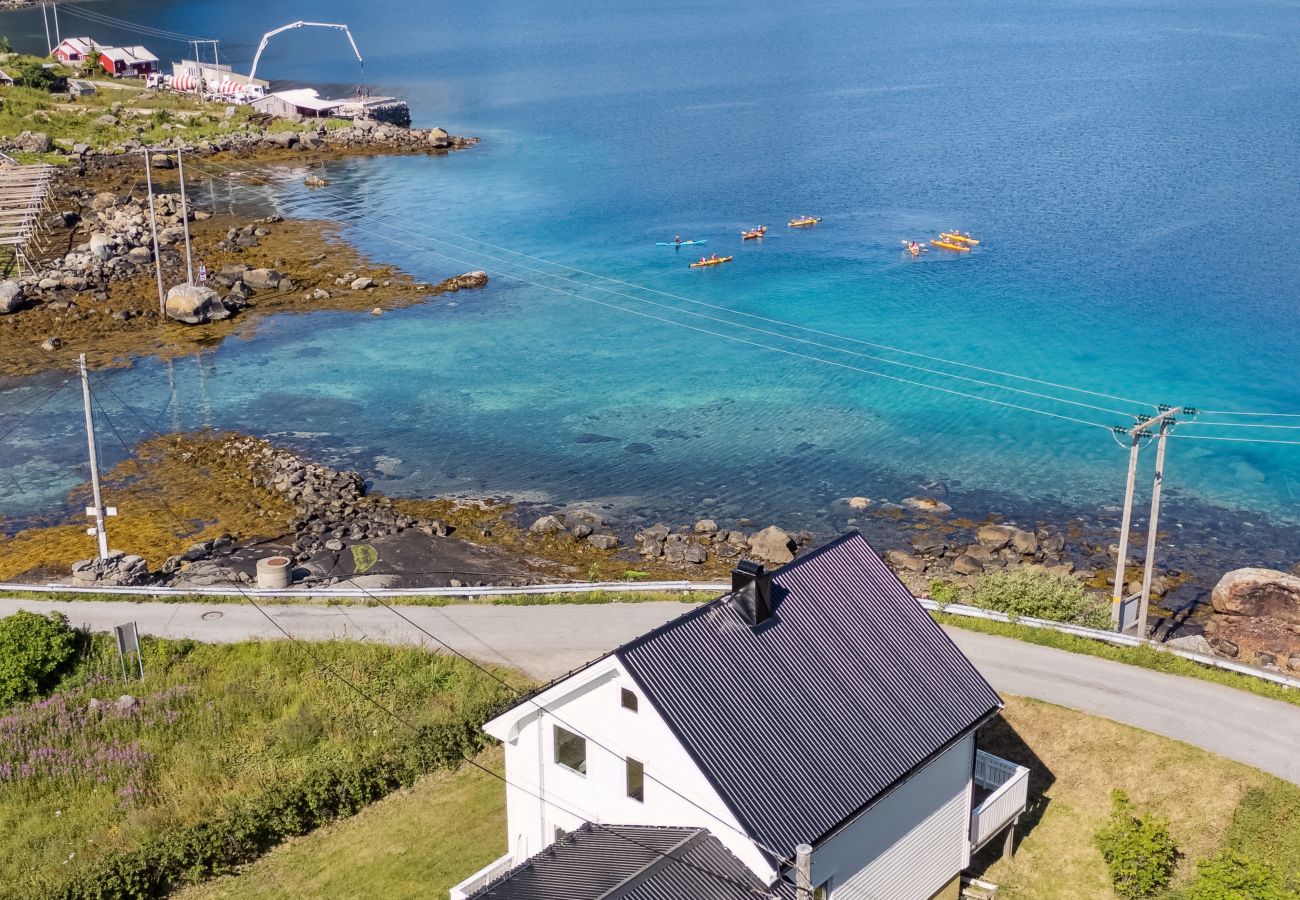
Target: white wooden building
[[818, 707]]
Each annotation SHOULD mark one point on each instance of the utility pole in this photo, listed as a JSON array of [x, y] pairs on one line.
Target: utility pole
[[1162, 423], [185, 220], [58, 38], [45, 17], [98, 511], [803, 889], [153, 225]]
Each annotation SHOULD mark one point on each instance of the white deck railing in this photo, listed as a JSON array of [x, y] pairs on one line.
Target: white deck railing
[[1010, 786], [484, 876]]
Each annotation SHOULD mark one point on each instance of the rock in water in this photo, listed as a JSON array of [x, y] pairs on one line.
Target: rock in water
[[194, 304], [547, 525], [1256, 616], [11, 297], [772, 545]]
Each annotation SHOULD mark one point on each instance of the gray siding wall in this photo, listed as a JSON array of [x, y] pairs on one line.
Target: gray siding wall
[[911, 843]]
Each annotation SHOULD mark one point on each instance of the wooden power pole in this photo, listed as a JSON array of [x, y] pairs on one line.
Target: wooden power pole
[[1159, 424], [803, 889]]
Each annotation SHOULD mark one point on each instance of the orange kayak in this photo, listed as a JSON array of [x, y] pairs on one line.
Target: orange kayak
[[804, 222], [948, 245], [711, 262], [755, 233], [957, 237]]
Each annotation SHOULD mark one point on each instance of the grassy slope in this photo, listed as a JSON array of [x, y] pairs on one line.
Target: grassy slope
[[419, 843], [251, 715]]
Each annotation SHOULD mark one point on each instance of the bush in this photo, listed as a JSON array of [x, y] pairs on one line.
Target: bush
[[1138, 850], [1042, 595], [35, 75], [1232, 876], [33, 650], [944, 592]]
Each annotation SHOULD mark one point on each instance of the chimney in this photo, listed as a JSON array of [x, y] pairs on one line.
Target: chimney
[[751, 592]]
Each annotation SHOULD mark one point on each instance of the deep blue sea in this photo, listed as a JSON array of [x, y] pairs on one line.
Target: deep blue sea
[[1130, 168]]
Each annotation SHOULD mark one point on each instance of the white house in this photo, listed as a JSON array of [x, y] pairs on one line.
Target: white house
[[813, 711]]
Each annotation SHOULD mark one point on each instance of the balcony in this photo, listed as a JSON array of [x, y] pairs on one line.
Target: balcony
[[1001, 795], [484, 876]]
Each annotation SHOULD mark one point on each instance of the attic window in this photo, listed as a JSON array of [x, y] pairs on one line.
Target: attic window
[[629, 700], [570, 750], [636, 780]]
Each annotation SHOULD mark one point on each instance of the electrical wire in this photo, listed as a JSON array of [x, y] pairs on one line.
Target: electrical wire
[[1243, 425], [34, 410], [1235, 440], [476, 764], [1258, 415], [733, 338], [99, 18], [754, 316]]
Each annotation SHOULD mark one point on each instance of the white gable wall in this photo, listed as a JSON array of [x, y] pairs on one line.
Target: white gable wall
[[913, 842], [543, 795]]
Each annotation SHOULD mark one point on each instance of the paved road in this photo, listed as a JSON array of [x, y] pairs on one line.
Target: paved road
[[547, 641]]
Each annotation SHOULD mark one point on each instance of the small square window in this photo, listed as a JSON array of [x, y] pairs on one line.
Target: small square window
[[636, 780], [570, 750], [629, 700]]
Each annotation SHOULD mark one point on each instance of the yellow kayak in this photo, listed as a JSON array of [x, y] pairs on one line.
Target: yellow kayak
[[958, 237], [753, 233], [711, 262], [948, 245], [805, 221]]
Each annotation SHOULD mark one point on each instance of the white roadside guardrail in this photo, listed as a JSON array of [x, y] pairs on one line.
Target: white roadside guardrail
[[631, 587]]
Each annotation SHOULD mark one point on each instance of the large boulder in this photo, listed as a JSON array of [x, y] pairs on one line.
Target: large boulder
[[11, 297], [263, 279], [195, 304], [1257, 617], [439, 138], [33, 142], [101, 246], [117, 568], [772, 545]]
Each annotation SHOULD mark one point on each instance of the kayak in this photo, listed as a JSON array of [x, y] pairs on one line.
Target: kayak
[[681, 243], [711, 262], [756, 233], [948, 245], [958, 237], [805, 221]]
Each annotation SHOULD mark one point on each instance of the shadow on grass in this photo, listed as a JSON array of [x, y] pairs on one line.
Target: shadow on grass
[[1001, 739]]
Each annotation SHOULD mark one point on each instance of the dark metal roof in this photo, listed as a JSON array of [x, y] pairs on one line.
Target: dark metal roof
[[631, 862], [807, 719]]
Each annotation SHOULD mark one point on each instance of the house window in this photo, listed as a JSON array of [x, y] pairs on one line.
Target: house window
[[629, 701], [570, 750], [636, 780]]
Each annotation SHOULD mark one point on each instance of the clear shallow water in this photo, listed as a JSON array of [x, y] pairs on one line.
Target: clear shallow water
[[1130, 171]]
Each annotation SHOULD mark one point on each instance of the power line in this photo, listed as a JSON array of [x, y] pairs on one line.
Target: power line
[[473, 762], [1244, 425], [733, 338], [727, 322], [124, 25], [34, 410], [794, 325], [1235, 440], [1259, 415]]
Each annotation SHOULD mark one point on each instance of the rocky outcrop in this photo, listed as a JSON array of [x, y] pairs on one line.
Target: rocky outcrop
[[12, 297], [117, 568], [1256, 618], [195, 304]]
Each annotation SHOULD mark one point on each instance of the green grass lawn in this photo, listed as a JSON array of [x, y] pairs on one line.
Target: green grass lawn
[[416, 843], [215, 725]]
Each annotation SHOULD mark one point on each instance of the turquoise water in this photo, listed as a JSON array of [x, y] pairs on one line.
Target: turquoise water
[[1131, 172]]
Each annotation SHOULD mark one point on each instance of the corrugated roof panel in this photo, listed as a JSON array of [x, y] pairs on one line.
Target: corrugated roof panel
[[805, 720], [630, 862]]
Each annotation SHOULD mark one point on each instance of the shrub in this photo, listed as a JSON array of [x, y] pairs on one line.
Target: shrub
[[33, 649], [944, 592], [35, 75], [1138, 850], [1232, 876], [1041, 595]]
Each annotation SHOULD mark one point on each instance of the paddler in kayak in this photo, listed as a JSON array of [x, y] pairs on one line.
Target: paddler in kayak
[[678, 239], [713, 258]]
